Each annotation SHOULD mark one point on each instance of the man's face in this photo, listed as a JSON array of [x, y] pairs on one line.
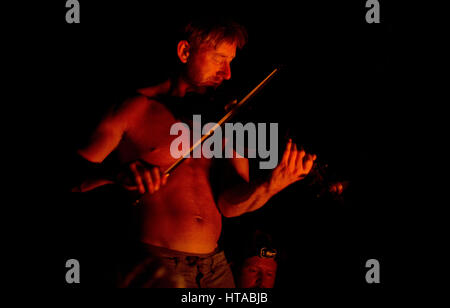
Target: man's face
[[258, 272], [209, 66]]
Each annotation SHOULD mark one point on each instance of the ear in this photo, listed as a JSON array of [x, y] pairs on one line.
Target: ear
[[183, 50]]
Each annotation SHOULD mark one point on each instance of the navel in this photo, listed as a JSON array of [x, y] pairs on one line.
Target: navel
[[199, 219]]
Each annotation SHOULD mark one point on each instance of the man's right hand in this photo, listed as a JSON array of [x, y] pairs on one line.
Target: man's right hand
[[142, 177]]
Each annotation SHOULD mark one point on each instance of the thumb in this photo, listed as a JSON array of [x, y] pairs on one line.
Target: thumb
[[130, 187], [164, 178]]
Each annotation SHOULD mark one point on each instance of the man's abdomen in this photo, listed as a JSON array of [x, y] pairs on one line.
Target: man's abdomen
[[182, 215]]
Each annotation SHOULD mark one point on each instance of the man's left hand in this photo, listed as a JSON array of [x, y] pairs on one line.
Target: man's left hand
[[294, 166]]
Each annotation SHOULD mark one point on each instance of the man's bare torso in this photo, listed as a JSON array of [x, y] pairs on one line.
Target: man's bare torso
[[182, 215]]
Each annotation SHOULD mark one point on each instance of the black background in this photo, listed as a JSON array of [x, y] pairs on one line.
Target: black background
[[336, 95]]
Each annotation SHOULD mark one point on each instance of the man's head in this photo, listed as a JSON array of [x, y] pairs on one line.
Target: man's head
[[258, 268], [207, 48], [258, 272]]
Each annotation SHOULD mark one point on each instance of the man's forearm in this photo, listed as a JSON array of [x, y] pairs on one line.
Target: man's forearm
[[246, 197], [91, 184], [85, 175]]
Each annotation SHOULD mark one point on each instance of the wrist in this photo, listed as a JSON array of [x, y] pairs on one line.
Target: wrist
[[270, 187]]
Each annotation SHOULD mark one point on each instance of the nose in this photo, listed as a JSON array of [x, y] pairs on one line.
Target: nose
[[226, 71], [258, 281]]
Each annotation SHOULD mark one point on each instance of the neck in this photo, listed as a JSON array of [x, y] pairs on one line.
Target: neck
[[179, 87]]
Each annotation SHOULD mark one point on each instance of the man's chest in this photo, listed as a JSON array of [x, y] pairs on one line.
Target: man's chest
[[159, 139]]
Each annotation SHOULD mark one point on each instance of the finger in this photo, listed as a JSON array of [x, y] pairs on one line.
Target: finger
[[156, 178], [293, 158], [299, 162], [137, 178], [130, 187], [164, 179], [149, 182], [307, 163], [340, 188], [287, 151]]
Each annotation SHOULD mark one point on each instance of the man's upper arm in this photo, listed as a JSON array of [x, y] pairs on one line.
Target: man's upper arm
[[241, 167], [109, 132]]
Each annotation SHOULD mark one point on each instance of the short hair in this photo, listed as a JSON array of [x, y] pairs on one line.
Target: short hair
[[261, 244], [214, 30]]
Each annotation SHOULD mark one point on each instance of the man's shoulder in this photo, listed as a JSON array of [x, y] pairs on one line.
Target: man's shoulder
[[139, 107], [149, 92], [142, 102], [137, 104], [154, 91]]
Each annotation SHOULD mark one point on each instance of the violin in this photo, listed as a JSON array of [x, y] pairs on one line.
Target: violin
[[318, 180]]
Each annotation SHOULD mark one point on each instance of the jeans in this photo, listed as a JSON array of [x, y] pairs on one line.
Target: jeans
[[210, 270]]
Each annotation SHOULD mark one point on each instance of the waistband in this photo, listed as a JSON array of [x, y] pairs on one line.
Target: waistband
[[166, 252]]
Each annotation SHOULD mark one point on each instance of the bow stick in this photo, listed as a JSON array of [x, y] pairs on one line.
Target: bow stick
[[235, 107]]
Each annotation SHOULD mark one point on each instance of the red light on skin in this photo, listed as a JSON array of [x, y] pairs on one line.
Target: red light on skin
[[338, 187], [258, 272], [209, 66]]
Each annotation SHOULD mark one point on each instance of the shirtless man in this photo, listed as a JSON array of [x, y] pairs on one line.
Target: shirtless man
[[180, 220]]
